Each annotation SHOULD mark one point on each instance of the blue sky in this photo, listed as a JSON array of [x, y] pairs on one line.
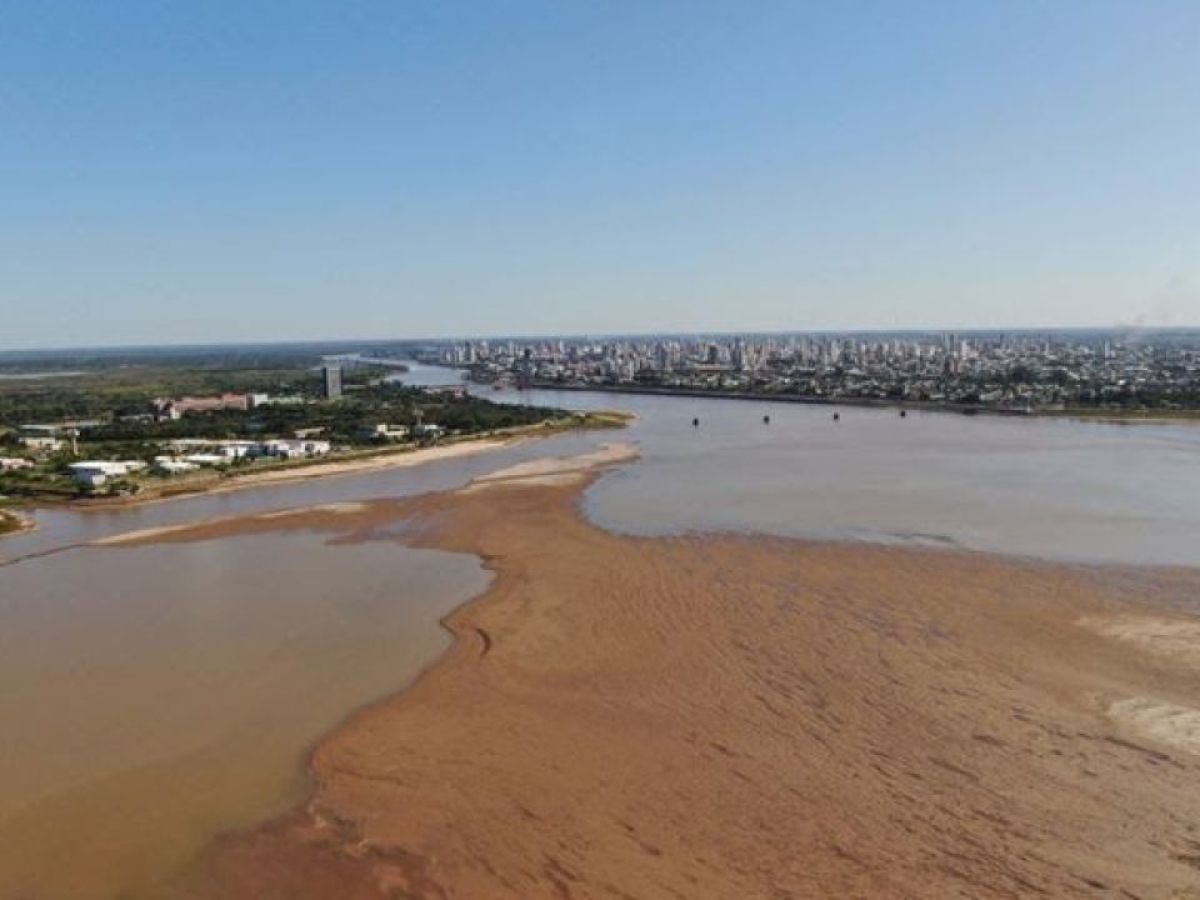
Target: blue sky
[[199, 172]]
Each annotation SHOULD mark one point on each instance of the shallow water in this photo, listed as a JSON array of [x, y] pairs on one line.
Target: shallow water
[[152, 697], [1059, 489]]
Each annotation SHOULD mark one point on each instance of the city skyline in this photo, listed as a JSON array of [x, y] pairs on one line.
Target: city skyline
[[1120, 332]]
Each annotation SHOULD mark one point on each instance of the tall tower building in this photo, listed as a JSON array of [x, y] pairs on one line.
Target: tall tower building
[[333, 382]]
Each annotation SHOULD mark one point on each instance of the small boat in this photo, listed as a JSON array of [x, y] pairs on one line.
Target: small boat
[[766, 420], [837, 417], [695, 423], [904, 413]]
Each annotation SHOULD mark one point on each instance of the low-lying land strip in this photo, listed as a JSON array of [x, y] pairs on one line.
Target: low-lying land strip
[[358, 461], [159, 425], [970, 409], [347, 462]]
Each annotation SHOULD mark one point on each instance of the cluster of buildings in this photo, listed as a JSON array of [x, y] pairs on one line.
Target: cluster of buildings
[[183, 455], [41, 448], [179, 456], [169, 409], [172, 408], [40, 439], [96, 472], [190, 455], [1013, 371]]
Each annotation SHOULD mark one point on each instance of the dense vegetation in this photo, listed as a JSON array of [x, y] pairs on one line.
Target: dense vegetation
[[129, 390], [345, 421], [119, 399]]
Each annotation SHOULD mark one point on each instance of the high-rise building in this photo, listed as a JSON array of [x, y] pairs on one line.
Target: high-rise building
[[333, 382]]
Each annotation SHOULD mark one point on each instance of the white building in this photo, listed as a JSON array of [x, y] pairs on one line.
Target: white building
[[385, 432], [295, 449], [208, 459], [429, 430], [94, 473], [41, 443], [168, 465], [226, 449], [238, 449]]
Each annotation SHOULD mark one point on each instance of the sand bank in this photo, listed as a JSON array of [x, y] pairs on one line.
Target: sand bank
[[190, 530], [399, 460], [736, 717], [538, 472], [559, 470]]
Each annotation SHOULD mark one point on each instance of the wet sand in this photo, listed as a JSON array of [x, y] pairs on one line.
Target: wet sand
[[732, 716]]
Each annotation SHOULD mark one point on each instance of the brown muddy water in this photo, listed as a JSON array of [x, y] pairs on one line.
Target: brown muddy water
[[153, 697]]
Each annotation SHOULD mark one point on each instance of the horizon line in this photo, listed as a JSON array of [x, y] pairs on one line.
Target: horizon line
[[585, 335]]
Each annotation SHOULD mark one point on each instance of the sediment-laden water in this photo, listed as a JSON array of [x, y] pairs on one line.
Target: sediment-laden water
[[152, 697]]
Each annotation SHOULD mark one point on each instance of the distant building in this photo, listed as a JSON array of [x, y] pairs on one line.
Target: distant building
[[13, 463], [96, 472], [174, 407], [286, 449], [225, 449], [41, 443], [170, 466], [216, 460], [333, 382], [271, 400], [41, 430], [385, 432]]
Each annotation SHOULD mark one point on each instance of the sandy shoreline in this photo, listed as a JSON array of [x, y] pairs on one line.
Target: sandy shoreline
[[539, 472], [728, 716], [399, 458]]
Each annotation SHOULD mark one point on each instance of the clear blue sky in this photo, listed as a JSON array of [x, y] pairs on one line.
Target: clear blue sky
[[180, 172]]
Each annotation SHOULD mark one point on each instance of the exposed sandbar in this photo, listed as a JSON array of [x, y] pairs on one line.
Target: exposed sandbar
[[736, 717]]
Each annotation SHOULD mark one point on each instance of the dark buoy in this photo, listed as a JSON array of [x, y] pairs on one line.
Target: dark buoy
[[695, 423], [837, 417], [904, 413], [766, 420]]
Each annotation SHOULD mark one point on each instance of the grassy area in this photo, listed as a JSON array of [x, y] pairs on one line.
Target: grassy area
[[100, 393]]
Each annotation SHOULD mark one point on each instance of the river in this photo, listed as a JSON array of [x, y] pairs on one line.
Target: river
[[153, 697]]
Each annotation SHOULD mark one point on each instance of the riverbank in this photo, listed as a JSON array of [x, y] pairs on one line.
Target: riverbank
[[967, 409], [349, 463], [731, 716]]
